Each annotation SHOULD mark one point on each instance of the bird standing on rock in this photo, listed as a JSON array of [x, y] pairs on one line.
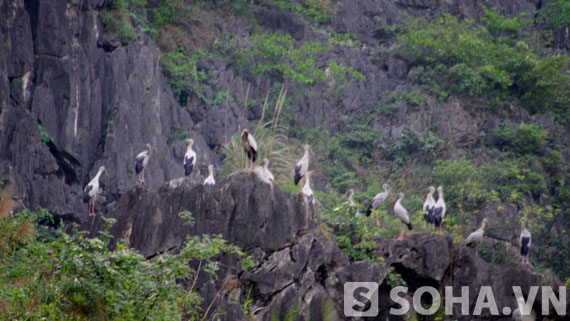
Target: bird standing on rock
[[377, 201], [91, 190], [439, 210], [141, 162], [249, 146], [401, 213], [210, 180], [476, 236], [302, 166], [428, 207], [189, 158], [524, 242]]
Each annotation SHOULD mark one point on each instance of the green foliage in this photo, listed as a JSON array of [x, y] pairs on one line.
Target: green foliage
[[413, 144], [496, 254], [177, 135], [523, 139], [46, 138], [55, 276], [556, 13], [463, 57], [394, 279], [412, 98], [276, 53], [313, 10], [498, 25], [185, 78]]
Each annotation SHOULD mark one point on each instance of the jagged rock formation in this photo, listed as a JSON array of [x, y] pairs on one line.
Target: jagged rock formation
[[99, 104], [298, 264]]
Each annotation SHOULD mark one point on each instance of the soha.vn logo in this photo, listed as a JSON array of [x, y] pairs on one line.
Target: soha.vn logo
[[361, 300]]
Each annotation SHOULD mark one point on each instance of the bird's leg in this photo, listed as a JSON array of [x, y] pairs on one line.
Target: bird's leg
[[402, 231], [377, 220], [142, 176]]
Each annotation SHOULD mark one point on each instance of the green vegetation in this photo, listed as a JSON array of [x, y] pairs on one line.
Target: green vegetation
[[313, 10], [481, 61], [523, 139], [556, 13], [46, 138], [47, 274]]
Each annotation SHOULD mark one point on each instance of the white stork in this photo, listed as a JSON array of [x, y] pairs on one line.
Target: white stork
[[141, 162], [428, 207], [263, 172], [439, 210], [91, 190], [302, 166], [249, 146], [377, 201], [476, 236], [307, 191], [401, 213], [189, 158], [210, 180], [524, 242]]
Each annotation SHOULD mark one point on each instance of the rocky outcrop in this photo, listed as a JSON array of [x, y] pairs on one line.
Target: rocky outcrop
[[298, 264], [98, 103]]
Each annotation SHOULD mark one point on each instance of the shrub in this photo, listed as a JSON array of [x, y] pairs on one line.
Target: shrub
[[523, 139], [463, 57], [55, 276]]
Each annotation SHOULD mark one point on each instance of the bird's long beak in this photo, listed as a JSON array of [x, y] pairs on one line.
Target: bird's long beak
[[106, 175], [343, 196]]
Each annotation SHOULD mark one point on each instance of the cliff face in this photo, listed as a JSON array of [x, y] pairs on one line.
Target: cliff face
[[298, 264], [99, 103]]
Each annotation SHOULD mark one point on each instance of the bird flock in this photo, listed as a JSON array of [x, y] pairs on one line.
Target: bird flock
[[433, 211]]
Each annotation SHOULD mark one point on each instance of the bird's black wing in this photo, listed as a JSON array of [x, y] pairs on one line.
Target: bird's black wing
[[524, 246], [139, 164], [437, 216], [297, 174], [86, 196], [369, 209], [188, 166]]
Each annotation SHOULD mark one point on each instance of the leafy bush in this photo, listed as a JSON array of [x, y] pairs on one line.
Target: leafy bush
[[463, 57], [54, 276], [413, 144], [524, 139], [556, 13], [184, 77]]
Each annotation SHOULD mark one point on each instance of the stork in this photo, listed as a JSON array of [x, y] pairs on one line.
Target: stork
[[350, 203], [439, 210], [307, 191], [210, 180], [249, 146], [91, 190], [141, 162], [476, 236], [401, 213], [524, 242], [263, 172], [428, 207], [189, 158], [302, 166], [377, 201]]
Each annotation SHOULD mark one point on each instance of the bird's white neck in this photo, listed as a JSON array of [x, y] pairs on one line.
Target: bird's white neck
[[99, 174], [211, 171]]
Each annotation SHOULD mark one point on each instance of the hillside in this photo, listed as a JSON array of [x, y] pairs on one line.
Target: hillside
[[471, 96]]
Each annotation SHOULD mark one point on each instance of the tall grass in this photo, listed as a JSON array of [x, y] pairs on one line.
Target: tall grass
[[272, 143]]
